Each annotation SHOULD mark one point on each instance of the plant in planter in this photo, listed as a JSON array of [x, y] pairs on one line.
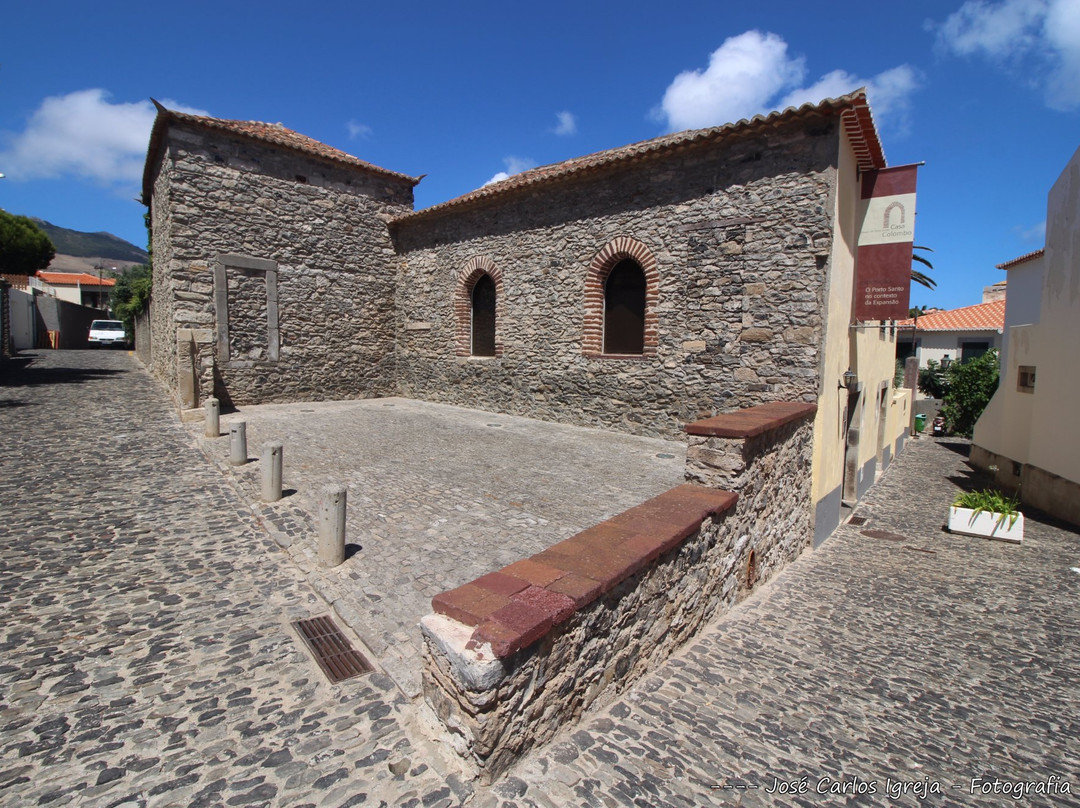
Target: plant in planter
[[987, 513]]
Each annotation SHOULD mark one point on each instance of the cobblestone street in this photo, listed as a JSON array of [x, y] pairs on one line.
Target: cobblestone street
[[148, 658], [146, 655]]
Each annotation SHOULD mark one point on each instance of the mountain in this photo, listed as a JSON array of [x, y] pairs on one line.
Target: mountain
[[104, 247]]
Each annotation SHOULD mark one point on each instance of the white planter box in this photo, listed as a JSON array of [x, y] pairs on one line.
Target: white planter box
[[986, 524]]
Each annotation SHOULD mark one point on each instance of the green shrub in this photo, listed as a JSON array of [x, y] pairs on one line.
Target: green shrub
[[933, 381], [971, 384], [990, 502]]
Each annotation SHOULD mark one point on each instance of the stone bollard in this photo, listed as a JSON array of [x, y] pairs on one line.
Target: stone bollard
[[332, 526], [238, 443], [271, 472], [213, 418]]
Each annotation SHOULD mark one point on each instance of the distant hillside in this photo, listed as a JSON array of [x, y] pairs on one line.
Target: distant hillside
[[92, 245]]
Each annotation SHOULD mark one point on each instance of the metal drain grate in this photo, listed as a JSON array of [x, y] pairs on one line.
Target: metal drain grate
[[337, 658], [883, 534], [920, 549], [857, 520]]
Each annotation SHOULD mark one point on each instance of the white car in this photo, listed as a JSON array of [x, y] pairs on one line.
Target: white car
[[107, 332]]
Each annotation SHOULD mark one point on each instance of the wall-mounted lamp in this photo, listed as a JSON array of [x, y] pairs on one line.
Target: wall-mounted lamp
[[849, 379]]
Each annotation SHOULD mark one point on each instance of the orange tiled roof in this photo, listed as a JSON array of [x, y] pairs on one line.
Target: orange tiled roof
[[1023, 259], [852, 108], [982, 317], [74, 279], [273, 133]]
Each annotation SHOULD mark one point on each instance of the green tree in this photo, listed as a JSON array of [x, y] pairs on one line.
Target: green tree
[[918, 276], [933, 380], [24, 247], [970, 387], [131, 294]]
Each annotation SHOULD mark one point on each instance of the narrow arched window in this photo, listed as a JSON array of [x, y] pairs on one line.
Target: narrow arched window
[[483, 316], [624, 309]]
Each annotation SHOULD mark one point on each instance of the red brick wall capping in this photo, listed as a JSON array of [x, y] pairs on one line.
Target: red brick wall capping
[[518, 605], [753, 421]]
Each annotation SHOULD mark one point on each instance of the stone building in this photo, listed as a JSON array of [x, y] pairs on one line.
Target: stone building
[[634, 289]]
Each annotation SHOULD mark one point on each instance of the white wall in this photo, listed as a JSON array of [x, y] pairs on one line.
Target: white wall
[[1041, 427], [1024, 300], [23, 316], [937, 345], [1055, 434]]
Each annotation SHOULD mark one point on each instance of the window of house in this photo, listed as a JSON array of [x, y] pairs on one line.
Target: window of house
[[972, 350], [483, 317], [1025, 379], [624, 309]]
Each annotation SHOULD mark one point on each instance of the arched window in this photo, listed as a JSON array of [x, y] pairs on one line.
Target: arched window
[[483, 316], [622, 294], [477, 295], [624, 309]]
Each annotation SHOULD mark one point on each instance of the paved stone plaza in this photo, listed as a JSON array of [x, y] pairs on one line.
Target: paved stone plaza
[[437, 496], [147, 657]]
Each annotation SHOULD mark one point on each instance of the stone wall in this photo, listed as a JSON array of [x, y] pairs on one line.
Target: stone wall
[[740, 232], [5, 321], [515, 655], [143, 340], [322, 225], [161, 312]]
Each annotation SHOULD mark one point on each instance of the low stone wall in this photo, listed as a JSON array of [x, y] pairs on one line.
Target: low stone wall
[[142, 337], [1039, 488], [515, 655]]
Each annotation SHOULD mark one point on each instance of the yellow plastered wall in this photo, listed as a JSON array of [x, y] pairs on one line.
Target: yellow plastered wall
[[881, 413], [828, 464]]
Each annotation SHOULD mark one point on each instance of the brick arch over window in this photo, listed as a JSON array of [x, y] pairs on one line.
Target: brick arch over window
[[473, 271], [614, 252]]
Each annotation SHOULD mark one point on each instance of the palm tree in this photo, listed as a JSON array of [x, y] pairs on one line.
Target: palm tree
[[922, 278]]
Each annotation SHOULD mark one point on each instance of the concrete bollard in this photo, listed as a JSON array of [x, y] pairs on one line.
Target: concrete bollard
[[271, 472], [238, 443], [213, 418], [332, 526]]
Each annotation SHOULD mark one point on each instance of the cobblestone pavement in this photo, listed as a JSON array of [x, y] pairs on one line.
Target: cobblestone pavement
[[146, 656], [926, 658], [437, 496]]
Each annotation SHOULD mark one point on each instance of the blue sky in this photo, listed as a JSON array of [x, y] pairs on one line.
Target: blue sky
[[986, 93]]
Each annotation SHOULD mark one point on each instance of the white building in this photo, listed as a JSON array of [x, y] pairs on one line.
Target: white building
[[1029, 434]]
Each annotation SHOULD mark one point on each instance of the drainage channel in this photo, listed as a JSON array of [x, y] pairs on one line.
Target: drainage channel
[[332, 649]]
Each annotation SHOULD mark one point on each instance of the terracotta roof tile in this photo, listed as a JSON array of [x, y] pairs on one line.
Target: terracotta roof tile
[[273, 133], [1023, 259], [74, 279], [853, 108], [982, 317]]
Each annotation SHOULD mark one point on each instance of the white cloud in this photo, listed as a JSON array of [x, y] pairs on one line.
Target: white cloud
[[358, 130], [994, 30], [1063, 36], [567, 123], [514, 165], [83, 135], [1035, 233], [743, 74], [752, 73], [1037, 39]]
